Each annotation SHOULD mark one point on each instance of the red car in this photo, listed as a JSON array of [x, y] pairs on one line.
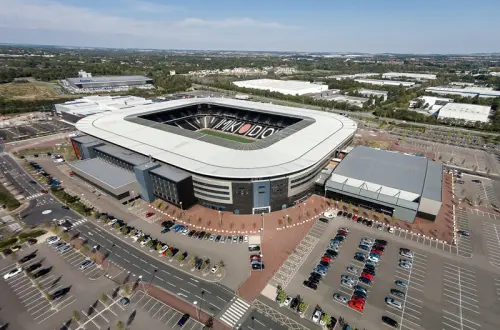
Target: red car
[[326, 259], [379, 252], [354, 217], [341, 232], [357, 306], [255, 257], [43, 191], [149, 214], [358, 299], [368, 276]]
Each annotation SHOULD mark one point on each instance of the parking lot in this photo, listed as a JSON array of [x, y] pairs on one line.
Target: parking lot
[[477, 191], [33, 129], [439, 290], [161, 312]]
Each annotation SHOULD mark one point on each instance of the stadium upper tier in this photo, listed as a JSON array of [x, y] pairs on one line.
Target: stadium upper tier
[[297, 138]]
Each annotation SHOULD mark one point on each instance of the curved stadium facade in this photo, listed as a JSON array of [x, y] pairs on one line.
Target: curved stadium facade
[[225, 154]]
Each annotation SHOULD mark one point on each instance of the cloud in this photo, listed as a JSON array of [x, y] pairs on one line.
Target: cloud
[[152, 8]]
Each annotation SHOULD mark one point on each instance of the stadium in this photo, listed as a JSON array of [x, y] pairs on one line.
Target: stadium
[[225, 154]]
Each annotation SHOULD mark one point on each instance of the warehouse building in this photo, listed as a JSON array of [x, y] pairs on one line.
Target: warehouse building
[[373, 92], [287, 87], [353, 76], [464, 111], [380, 82], [401, 185], [429, 103], [416, 76], [86, 83], [483, 92], [72, 111], [353, 100]]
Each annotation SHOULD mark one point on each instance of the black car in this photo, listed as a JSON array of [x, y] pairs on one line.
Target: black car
[[59, 293], [195, 234], [333, 322], [241, 239], [324, 264], [371, 267], [32, 181], [325, 220], [349, 215], [27, 258], [387, 320], [344, 214], [258, 266], [41, 272], [339, 238], [64, 207], [33, 267], [369, 223], [217, 239], [315, 275], [331, 253], [381, 242], [191, 233], [359, 258], [339, 213], [202, 235], [364, 222], [183, 320], [313, 279], [359, 294], [369, 271], [165, 230], [295, 303], [378, 247], [310, 285]]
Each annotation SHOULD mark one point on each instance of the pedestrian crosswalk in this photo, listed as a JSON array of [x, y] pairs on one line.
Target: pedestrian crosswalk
[[79, 222], [34, 196], [235, 312]]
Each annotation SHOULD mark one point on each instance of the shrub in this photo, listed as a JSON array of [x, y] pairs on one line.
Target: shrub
[[7, 243], [150, 244], [180, 257], [34, 233], [116, 225]]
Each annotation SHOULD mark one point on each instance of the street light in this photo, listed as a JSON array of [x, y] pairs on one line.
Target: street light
[[182, 211], [152, 278], [220, 218], [253, 324]]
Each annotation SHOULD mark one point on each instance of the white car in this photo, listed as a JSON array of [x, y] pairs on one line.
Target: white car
[[52, 239], [347, 278], [163, 249], [316, 316], [146, 241], [112, 222], [245, 239], [373, 259], [13, 273], [391, 230], [367, 239], [212, 237], [287, 301], [394, 302], [352, 270], [340, 298], [406, 254], [214, 269], [185, 231], [380, 227]]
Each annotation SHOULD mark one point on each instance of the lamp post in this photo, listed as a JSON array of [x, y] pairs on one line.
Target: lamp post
[[195, 303], [303, 209], [253, 324], [220, 218], [286, 221], [201, 302], [152, 278], [182, 211]]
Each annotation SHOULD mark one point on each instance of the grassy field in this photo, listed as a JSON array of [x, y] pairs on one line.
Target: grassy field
[[227, 136], [29, 90]]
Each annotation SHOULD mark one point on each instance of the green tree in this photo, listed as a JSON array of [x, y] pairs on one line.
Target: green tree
[[75, 316], [120, 325], [103, 298]]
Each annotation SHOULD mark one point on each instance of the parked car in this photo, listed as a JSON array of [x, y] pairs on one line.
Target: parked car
[[390, 322], [340, 298], [398, 293], [86, 264], [12, 273]]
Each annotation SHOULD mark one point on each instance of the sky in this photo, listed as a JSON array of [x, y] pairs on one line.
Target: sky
[[371, 26]]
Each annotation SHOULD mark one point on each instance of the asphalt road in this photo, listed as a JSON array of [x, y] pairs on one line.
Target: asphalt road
[[171, 279], [256, 321], [41, 207]]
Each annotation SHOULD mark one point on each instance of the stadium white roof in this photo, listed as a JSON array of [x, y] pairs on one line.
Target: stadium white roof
[[468, 112], [288, 87], [296, 152]]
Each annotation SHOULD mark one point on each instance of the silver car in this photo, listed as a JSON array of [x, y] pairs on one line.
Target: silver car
[[394, 302], [65, 248], [223, 239], [340, 298], [352, 270], [86, 264], [347, 283]]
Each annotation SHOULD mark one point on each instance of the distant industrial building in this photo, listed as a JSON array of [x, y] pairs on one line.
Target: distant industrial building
[[373, 92], [467, 112], [380, 82], [484, 92], [72, 111], [353, 100], [430, 103], [416, 76], [86, 83], [353, 76], [401, 185], [287, 87]]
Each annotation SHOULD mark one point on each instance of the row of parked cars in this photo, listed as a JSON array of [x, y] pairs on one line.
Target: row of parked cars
[[361, 220], [328, 257], [204, 235], [62, 247]]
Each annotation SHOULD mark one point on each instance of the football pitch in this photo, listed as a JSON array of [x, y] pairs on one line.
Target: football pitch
[[226, 136]]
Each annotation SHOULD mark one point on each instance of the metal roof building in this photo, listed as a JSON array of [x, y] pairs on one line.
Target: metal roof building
[[484, 92], [380, 82], [288, 87], [464, 111], [398, 184], [417, 76]]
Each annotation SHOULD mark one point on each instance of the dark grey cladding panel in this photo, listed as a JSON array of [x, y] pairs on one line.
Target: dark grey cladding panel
[[243, 197]]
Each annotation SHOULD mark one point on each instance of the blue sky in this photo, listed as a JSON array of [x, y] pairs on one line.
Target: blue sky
[[400, 26]]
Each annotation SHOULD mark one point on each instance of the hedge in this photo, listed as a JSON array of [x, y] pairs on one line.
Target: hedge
[[8, 242], [34, 233]]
